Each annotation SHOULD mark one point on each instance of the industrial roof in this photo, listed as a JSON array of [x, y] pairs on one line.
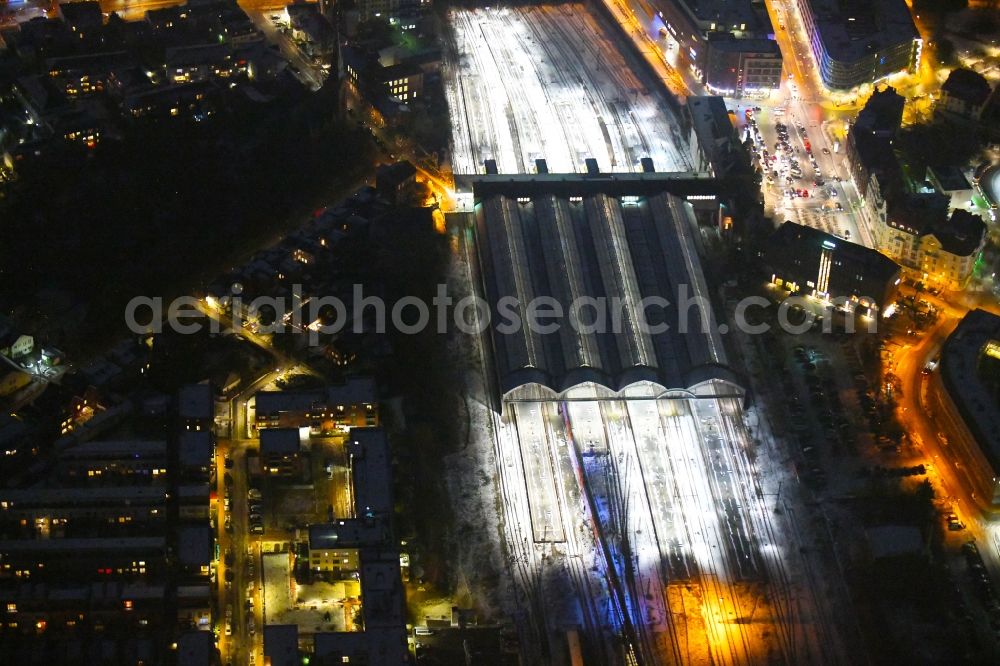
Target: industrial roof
[[581, 239]]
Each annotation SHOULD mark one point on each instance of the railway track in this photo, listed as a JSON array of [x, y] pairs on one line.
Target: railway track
[[548, 82]]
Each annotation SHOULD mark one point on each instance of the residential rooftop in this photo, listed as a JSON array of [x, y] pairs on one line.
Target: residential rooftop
[[82, 496], [83, 545], [977, 334], [127, 448], [195, 401], [349, 533], [372, 471], [357, 390]]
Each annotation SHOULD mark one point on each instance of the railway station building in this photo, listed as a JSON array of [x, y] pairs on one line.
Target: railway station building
[[618, 256]]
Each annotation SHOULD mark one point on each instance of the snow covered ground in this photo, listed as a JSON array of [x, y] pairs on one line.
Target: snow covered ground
[[524, 83]]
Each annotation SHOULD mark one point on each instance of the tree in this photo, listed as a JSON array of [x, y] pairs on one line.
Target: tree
[[945, 50]]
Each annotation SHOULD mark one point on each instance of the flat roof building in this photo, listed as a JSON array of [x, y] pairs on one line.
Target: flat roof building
[[115, 461], [706, 30], [968, 392], [196, 454], [323, 411], [715, 144], [196, 406], [195, 549], [739, 67], [281, 645], [195, 648], [857, 42], [279, 450], [366, 545], [371, 471]]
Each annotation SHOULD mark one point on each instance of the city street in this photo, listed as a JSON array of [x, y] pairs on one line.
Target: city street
[[236, 542], [939, 440], [304, 68]]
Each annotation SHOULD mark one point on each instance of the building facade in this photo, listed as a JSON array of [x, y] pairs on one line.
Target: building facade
[[742, 67], [965, 393], [335, 409], [803, 260], [728, 45], [857, 42], [931, 245]]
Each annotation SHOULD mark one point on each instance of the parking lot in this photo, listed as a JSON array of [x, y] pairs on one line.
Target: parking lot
[[801, 183]]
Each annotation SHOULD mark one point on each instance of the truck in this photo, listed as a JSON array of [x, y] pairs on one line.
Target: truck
[[229, 620]]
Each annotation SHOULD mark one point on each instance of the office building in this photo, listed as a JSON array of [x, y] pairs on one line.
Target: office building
[[723, 43], [806, 261], [742, 67], [856, 42]]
